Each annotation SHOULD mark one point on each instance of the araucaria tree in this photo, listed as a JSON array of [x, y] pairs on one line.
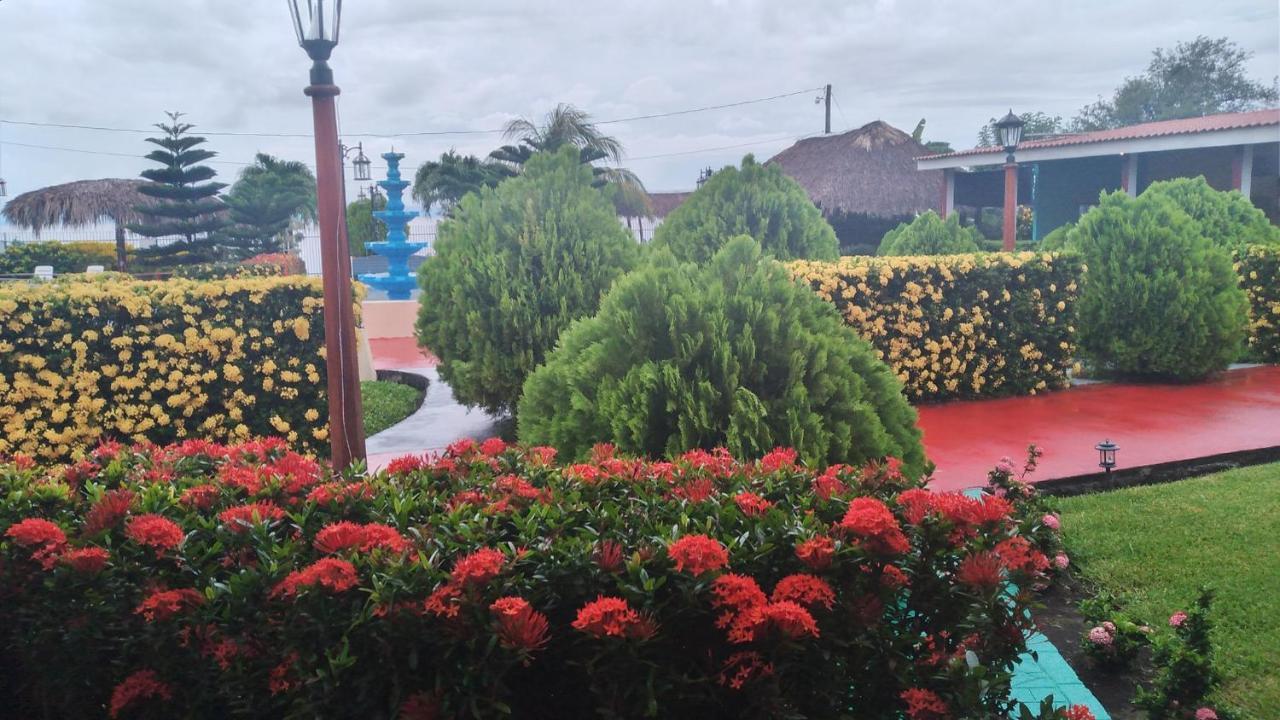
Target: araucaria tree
[[187, 202], [513, 267], [267, 199], [733, 353], [756, 200]]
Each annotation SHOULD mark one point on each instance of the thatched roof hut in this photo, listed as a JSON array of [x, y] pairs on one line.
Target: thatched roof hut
[[871, 170], [83, 202]]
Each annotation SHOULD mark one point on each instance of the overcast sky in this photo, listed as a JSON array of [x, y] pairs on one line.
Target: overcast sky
[[415, 66]]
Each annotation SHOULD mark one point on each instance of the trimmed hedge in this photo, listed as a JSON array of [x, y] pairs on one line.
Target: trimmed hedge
[[160, 361], [65, 257], [960, 326], [731, 353], [199, 581], [1259, 271]]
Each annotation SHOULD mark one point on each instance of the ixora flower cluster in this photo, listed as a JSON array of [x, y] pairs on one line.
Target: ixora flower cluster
[[202, 580], [1259, 270], [160, 361], [976, 325]]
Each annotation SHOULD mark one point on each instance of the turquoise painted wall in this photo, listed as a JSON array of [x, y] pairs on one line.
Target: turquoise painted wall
[[1064, 185]]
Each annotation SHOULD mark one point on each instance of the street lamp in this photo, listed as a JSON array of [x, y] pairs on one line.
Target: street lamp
[[316, 24], [1106, 455], [1010, 131], [360, 165]]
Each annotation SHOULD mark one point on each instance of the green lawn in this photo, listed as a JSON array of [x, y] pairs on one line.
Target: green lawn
[[1154, 546], [385, 404]]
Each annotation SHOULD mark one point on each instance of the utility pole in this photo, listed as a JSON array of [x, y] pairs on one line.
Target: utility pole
[[828, 130]]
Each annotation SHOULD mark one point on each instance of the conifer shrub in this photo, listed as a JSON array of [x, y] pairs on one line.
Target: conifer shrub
[[733, 353], [513, 266], [929, 234], [1228, 219], [1160, 299], [756, 200]]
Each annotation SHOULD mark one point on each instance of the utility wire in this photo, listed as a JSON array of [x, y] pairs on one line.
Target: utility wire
[[416, 133]]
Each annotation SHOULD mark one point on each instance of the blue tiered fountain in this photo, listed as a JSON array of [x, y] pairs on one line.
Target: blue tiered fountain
[[397, 282]]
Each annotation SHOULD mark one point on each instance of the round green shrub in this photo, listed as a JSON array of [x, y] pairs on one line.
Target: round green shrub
[[1159, 299], [929, 234], [734, 353], [1228, 219], [756, 200], [1057, 239], [513, 267]]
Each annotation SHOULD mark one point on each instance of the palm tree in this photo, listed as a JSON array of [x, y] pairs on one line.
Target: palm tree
[[267, 199], [446, 181]]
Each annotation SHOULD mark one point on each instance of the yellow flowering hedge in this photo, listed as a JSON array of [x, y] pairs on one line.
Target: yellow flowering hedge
[[960, 326], [159, 361], [1259, 269]]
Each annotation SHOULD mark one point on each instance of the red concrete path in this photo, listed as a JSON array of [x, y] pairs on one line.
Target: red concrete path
[[400, 353], [1238, 410]]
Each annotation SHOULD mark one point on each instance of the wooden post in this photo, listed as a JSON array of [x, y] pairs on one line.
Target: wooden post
[[346, 422], [1010, 205]]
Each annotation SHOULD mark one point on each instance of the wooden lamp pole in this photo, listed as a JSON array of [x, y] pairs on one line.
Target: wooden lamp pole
[[316, 23]]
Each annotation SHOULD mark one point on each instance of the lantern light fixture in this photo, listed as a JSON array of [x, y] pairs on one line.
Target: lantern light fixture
[[1009, 130], [1107, 455]]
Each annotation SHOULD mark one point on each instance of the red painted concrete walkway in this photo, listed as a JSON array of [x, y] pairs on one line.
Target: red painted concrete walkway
[[400, 353], [1238, 410]]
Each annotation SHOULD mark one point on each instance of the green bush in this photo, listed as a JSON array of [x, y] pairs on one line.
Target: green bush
[[1259, 271], [513, 267], [1160, 299], [1228, 219], [72, 257], [929, 234], [1057, 239], [756, 200], [734, 353]]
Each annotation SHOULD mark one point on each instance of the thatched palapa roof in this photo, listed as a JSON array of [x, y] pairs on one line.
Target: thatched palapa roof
[[869, 170], [83, 202]]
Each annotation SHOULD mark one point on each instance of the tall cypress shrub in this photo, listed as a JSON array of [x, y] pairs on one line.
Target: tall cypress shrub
[[734, 353], [1160, 299], [756, 200], [513, 266]]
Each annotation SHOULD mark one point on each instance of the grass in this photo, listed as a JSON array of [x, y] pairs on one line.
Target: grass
[[385, 404], [1155, 546]]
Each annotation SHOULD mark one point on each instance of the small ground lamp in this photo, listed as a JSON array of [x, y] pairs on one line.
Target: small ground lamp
[[1107, 455], [316, 24], [1009, 130]]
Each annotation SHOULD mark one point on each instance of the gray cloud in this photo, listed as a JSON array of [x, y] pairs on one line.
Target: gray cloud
[[408, 65]]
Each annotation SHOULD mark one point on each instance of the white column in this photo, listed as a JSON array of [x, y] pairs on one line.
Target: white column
[[1246, 170], [948, 192], [1131, 174]]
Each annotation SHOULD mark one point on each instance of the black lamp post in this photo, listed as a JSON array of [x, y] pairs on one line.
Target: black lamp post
[[1010, 131], [1107, 455], [316, 23]]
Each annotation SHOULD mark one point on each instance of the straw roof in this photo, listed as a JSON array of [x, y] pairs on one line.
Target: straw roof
[[83, 202], [869, 170]]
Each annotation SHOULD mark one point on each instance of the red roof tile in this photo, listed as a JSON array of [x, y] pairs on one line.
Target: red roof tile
[[1187, 126]]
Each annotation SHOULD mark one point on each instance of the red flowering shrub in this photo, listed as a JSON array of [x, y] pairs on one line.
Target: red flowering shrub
[[202, 581]]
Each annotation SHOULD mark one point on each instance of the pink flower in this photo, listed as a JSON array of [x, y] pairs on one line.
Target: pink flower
[[1061, 561], [1100, 636], [1051, 521], [1005, 466], [1176, 619], [1206, 713]]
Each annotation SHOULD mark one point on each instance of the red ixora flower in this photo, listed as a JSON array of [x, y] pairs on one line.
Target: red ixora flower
[[420, 706], [924, 704], [1018, 555], [493, 447], [519, 626], [279, 680], [89, 560], [154, 531], [445, 601], [142, 685], [164, 604], [201, 497], [478, 568], [870, 521], [786, 618], [240, 518], [613, 617], [778, 459], [406, 464], [609, 556], [697, 554], [335, 574], [742, 667], [751, 504], [817, 552], [734, 594], [981, 571], [108, 511], [804, 590], [1081, 712], [44, 537], [337, 537]]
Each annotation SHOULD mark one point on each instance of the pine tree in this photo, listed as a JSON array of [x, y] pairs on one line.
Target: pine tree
[[187, 203]]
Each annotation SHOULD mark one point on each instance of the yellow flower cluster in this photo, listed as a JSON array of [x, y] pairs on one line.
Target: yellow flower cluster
[[160, 361], [959, 325], [1259, 270]]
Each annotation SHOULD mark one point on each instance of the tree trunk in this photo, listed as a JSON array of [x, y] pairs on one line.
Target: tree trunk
[[122, 261]]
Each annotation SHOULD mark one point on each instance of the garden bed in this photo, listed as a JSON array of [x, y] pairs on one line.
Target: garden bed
[[390, 399]]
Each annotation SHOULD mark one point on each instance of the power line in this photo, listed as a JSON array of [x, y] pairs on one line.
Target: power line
[[713, 149], [415, 133]]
